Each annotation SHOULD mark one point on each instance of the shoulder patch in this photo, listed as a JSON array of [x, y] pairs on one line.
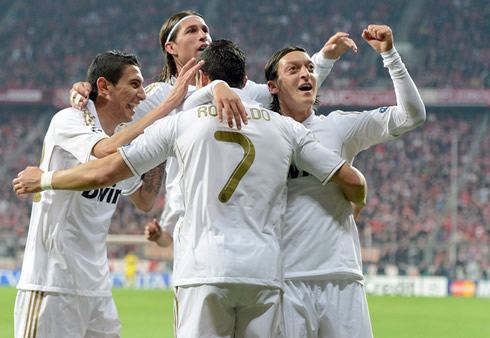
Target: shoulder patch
[[88, 118]]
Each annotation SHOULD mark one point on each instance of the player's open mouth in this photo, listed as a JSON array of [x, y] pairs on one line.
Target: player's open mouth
[[202, 47], [132, 106], [306, 87]]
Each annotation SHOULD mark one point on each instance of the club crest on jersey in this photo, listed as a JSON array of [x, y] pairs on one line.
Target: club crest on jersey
[[107, 195], [383, 109]]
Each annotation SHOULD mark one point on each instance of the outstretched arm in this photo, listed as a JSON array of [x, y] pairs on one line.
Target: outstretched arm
[[87, 176]]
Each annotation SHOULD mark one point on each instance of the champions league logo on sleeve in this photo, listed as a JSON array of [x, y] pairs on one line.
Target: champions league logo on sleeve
[[383, 109], [97, 130]]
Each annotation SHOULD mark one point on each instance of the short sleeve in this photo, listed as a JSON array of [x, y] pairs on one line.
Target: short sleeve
[[76, 132], [310, 156], [152, 147]]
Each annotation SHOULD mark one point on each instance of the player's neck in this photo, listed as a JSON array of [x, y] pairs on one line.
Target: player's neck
[[107, 117], [297, 114], [191, 82]]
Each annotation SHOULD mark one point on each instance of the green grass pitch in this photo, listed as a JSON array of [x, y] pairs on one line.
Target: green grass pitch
[[148, 313]]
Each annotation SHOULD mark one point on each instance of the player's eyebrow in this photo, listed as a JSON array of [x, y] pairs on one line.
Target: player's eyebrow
[[193, 26], [137, 81], [299, 62]]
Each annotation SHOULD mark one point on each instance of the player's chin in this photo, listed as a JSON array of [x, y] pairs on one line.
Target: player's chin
[[128, 117], [307, 96]]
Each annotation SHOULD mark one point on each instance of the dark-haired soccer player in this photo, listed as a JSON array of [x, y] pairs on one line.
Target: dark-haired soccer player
[[324, 292], [64, 287]]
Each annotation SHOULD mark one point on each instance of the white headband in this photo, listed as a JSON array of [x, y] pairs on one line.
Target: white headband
[[178, 23]]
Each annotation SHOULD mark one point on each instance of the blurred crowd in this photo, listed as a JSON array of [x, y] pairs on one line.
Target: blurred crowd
[[50, 44], [408, 219], [16, 128]]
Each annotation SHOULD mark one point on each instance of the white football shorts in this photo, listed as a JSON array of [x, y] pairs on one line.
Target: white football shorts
[[40, 314], [325, 308]]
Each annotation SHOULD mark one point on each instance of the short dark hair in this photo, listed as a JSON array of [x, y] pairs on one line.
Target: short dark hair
[[223, 60], [110, 65], [271, 72]]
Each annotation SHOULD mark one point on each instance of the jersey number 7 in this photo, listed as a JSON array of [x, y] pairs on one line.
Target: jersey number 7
[[242, 167]]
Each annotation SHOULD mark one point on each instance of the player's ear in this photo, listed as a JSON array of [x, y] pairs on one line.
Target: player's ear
[[203, 78], [245, 79], [103, 86], [273, 88], [170, 48]]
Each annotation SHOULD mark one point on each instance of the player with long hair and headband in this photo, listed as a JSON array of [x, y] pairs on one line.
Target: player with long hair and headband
[[168, 33]]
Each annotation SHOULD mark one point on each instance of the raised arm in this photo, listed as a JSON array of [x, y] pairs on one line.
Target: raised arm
[[410, 108], [332, 50]]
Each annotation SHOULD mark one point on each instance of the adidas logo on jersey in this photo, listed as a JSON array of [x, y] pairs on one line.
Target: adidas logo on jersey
[[107, 195]]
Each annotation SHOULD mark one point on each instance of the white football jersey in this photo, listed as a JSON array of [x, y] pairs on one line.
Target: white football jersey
[[66, 243], [234, 188], [320, 237], [320, 234], [156, 93]]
